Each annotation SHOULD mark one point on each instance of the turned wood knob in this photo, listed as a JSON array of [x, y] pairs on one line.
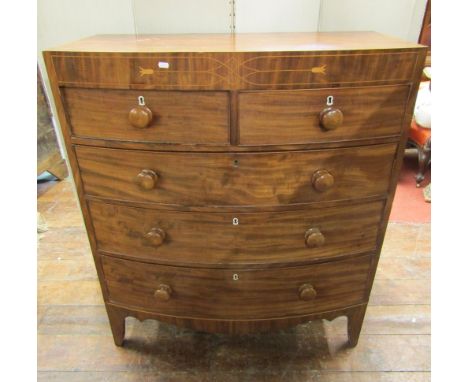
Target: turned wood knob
[[307, 292], [314, 238], [163, 293], [331, 118], [147, 179], [322, 180], [156, 236], [140, 116]]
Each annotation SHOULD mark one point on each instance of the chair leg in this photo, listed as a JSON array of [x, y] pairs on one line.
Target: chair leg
[[423, 161]]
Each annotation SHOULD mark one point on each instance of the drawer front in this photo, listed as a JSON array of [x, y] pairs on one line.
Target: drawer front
[[292, 70], [168, 71], [303, 116], [235, 179], [228, 70], [173, 116], [219, 239], [236, 294]]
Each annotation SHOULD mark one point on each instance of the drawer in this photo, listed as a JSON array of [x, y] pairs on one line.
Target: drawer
[[236, 294], [301, 70], [303, 116], [235, 179], [234, 70], [168, 71], [227, 239], [167, 117]]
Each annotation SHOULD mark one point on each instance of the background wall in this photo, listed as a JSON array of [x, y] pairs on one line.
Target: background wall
[[399, 18], [277, 15], [60, 21]]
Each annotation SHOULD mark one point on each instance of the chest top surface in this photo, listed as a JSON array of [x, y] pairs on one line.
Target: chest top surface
[[241, 42]]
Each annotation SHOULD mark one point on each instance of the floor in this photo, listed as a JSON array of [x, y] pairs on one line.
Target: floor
[[75, 342], [409, 204]]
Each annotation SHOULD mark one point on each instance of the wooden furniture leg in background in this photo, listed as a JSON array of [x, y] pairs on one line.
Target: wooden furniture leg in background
[[420, 138], [424, 158], [49, 157], [55, 165]]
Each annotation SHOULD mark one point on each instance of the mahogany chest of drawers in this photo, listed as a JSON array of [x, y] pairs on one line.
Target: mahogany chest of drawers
[[236, 183]]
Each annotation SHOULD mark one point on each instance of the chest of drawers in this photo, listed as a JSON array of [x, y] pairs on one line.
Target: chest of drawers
[[236, 183]]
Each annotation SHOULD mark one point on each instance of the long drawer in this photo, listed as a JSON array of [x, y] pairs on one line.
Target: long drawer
[[323, 115], [173, 117], [236, 179], [227, 239], [240, 70], [236, 294]]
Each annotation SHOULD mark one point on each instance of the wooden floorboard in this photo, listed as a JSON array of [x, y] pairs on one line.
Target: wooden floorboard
[[75, 342], [171, 350], [291, 375]]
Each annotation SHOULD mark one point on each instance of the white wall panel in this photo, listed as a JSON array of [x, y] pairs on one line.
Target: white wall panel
[[399, 18], [61, 21], [277, 15], [182, 16], [416, 20]]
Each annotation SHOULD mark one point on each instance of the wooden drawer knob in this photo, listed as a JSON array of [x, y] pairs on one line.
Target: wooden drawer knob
[[314, 238], [163, 293], [147, 179], [331, 118], [307, 292], [156, 236], [140, 116], [322, 180]]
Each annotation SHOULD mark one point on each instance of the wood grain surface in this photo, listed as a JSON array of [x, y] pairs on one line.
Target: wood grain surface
[[238, 42], [233, 70], [263, 293], [259, 179], [240, 61], [258, 239], [178, 117], [292, 117], [237, 170]]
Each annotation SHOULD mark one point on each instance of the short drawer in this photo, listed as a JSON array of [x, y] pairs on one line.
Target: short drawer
[[185, 117], [236, 294], [235, 179], [325, 115], [221, 239]]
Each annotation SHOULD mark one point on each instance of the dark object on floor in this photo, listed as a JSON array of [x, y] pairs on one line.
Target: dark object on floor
[[420, 138], [49, 157]]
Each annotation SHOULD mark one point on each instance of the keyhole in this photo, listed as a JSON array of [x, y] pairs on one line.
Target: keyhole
[[329, 100], [235, 162], [235, 277], [141, 101], [235, 221]]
